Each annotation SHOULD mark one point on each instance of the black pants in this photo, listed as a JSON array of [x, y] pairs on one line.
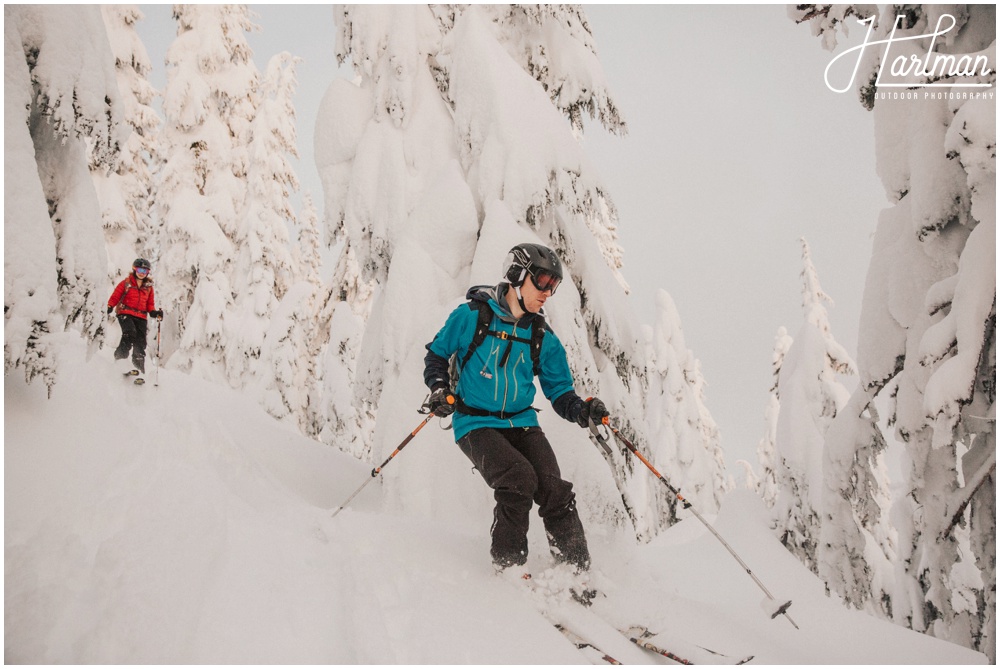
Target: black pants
[[134, 339], [520, 467]]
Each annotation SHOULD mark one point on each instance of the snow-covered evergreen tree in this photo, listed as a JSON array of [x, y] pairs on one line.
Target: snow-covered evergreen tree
[[125, 193], [767, 453], [60, 82], [683, 436], [982, 513], [810, 396], [31, 305], [209, 102], [262, 270], [857, 544], [341, 416], [751, 481], [308, 261], [459, 141], [928, 325], [284, 357], [343, 419]]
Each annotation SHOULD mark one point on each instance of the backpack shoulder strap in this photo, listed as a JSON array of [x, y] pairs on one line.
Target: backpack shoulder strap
[[483, 322], [125, 290], [482, 328], [538, 328]]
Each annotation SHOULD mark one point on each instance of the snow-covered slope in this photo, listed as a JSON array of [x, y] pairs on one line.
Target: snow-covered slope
[[181, 524]]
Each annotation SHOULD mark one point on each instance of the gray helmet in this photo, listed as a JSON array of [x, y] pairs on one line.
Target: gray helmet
[[539, 262], [141, 262]]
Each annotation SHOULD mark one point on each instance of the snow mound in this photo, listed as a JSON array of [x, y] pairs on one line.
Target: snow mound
[[180, 524]]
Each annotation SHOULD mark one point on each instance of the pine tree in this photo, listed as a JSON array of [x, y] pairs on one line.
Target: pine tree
[[70, 118], [857, 545], [811, 396], [928, 325], [344, 419], [263, 265], [751, 481], [308, 263], [308, 260], [125, 193], [683, 435], [456, 144], [209, 102], [767, 454], [285, 356]]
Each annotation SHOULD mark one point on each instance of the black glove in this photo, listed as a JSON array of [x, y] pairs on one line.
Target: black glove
[[110, 309], [156, 313], [441, 402], [592, 409]]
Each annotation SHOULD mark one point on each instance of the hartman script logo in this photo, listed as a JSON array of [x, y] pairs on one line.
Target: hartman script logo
[[924, 72]]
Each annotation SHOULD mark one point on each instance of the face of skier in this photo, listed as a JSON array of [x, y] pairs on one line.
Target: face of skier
[[534, 299]]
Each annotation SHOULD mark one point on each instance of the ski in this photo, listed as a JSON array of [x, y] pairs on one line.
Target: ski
[[638, 636], [583, 644], [643, 638], [573, 598], [583, 633], [134, 375]]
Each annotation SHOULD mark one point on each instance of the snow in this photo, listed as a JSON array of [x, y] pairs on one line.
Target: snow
[[182, 524], [73, 60]]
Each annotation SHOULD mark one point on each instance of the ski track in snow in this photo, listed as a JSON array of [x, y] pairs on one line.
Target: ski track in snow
[[181, 524]]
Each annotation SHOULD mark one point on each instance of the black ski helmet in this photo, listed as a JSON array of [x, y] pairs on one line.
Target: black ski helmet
[[526, 259], [141, 262]]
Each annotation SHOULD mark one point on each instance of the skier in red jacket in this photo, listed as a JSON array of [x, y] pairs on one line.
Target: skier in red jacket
[[133, 300]]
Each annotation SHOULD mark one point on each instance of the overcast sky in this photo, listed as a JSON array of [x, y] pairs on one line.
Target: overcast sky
[[736, 148]]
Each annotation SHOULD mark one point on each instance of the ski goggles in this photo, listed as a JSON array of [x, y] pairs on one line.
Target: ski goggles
[[545, 280], [141, 271]]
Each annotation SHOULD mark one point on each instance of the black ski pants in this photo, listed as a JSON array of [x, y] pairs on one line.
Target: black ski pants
[[520, 467], [134, 339]]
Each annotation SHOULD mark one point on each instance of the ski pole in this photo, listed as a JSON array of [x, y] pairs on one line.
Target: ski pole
[[156, 371], [783, 608], [378, 470]]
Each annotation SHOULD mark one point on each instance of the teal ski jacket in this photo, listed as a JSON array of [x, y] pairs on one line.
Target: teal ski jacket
[[484, 383]]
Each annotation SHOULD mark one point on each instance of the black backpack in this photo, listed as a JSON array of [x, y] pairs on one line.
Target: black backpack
[[485, 318]]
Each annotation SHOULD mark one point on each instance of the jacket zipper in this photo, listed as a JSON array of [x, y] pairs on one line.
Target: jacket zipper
[[506, 380]]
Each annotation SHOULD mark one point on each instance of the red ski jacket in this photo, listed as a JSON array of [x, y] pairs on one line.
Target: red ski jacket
[[129, 298]]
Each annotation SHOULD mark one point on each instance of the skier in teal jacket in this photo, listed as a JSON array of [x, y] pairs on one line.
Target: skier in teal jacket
[[500, 342]]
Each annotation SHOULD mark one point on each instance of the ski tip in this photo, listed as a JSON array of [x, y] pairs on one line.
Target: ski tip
[[636, 630]]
